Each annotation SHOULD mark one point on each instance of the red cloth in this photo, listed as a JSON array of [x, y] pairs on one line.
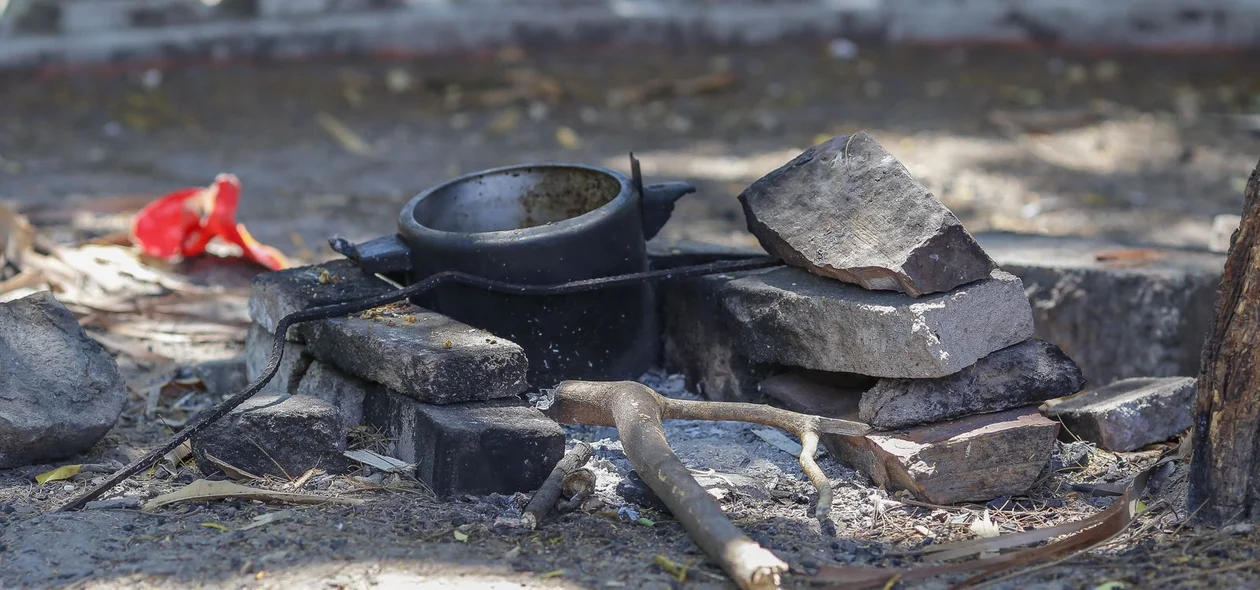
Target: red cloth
[[184, 222]]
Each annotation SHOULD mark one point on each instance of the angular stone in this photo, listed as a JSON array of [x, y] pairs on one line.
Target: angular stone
[[848, 210], [60, 392], [790, 317], [280, 435], [1116, 310], [1128, 414], [1027, 373], [277, 294], [424, 355], [472, 448], [346, 393], [973, 459], [293, 363]]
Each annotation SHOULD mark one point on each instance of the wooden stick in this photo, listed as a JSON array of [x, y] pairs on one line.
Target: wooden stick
[[636, 411], [547, 495]]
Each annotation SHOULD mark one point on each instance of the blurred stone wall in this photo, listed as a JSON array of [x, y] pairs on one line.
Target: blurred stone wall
[[35, 33]]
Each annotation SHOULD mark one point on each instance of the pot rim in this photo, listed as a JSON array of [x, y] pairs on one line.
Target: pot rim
[[409, 227]]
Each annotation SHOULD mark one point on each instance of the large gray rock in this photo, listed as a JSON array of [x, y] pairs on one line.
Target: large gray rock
[[500, 446], [1025, 374], [790, 317], [847, 209], [1128, 414], [280, 435], [60, 392], [1117, 310], [421, 354]]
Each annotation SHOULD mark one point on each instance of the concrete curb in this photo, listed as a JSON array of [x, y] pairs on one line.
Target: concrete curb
[[52, 33]]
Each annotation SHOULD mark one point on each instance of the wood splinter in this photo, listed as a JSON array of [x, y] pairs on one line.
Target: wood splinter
[[547, 495], [637, 412]]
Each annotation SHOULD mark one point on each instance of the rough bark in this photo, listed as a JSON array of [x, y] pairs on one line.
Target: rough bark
[[1225, 465]]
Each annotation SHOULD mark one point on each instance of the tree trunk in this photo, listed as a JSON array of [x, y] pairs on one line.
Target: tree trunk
[[1225, 464]]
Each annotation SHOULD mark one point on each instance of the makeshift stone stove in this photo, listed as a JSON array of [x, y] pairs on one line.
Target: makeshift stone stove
[[444, 393], [919, 334]]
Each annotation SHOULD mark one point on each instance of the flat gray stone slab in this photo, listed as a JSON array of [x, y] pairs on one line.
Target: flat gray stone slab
[[848, 210], [476, 448], [412, 351], [1119, 311], [973, 459], [277, 294], [1025, 374], [790, 317], [60, 392], [420, 354], [1129, 414]]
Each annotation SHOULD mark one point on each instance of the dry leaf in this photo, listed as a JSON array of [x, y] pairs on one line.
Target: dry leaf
[[461, 536], [301, 482], [352, 142], [672, 567], [983, 527], [61, 473], [1128, 258], [230, 470], [216, 526], [204, 490], [269, 518], [504, 122], [568, 138], [378, 461], [179, 454], [779, 441]]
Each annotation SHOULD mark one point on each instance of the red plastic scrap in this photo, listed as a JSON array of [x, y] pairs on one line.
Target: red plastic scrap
[[183, 223]]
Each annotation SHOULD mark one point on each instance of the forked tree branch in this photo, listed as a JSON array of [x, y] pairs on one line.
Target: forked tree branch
[[637, 412]]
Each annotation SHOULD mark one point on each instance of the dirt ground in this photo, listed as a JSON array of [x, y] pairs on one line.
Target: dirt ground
[[1140, 148]]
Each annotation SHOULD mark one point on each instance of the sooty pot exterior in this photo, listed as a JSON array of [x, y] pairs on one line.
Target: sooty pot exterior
[[545, 224]]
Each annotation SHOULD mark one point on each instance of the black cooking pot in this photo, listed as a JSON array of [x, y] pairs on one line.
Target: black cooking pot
[[539, 224]]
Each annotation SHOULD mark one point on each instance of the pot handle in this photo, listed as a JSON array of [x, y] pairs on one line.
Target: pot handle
[[380, 256], [657, 199]]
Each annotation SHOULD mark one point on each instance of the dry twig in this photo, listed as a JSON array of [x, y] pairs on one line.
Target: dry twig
[[547, 495], [636, 411]]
